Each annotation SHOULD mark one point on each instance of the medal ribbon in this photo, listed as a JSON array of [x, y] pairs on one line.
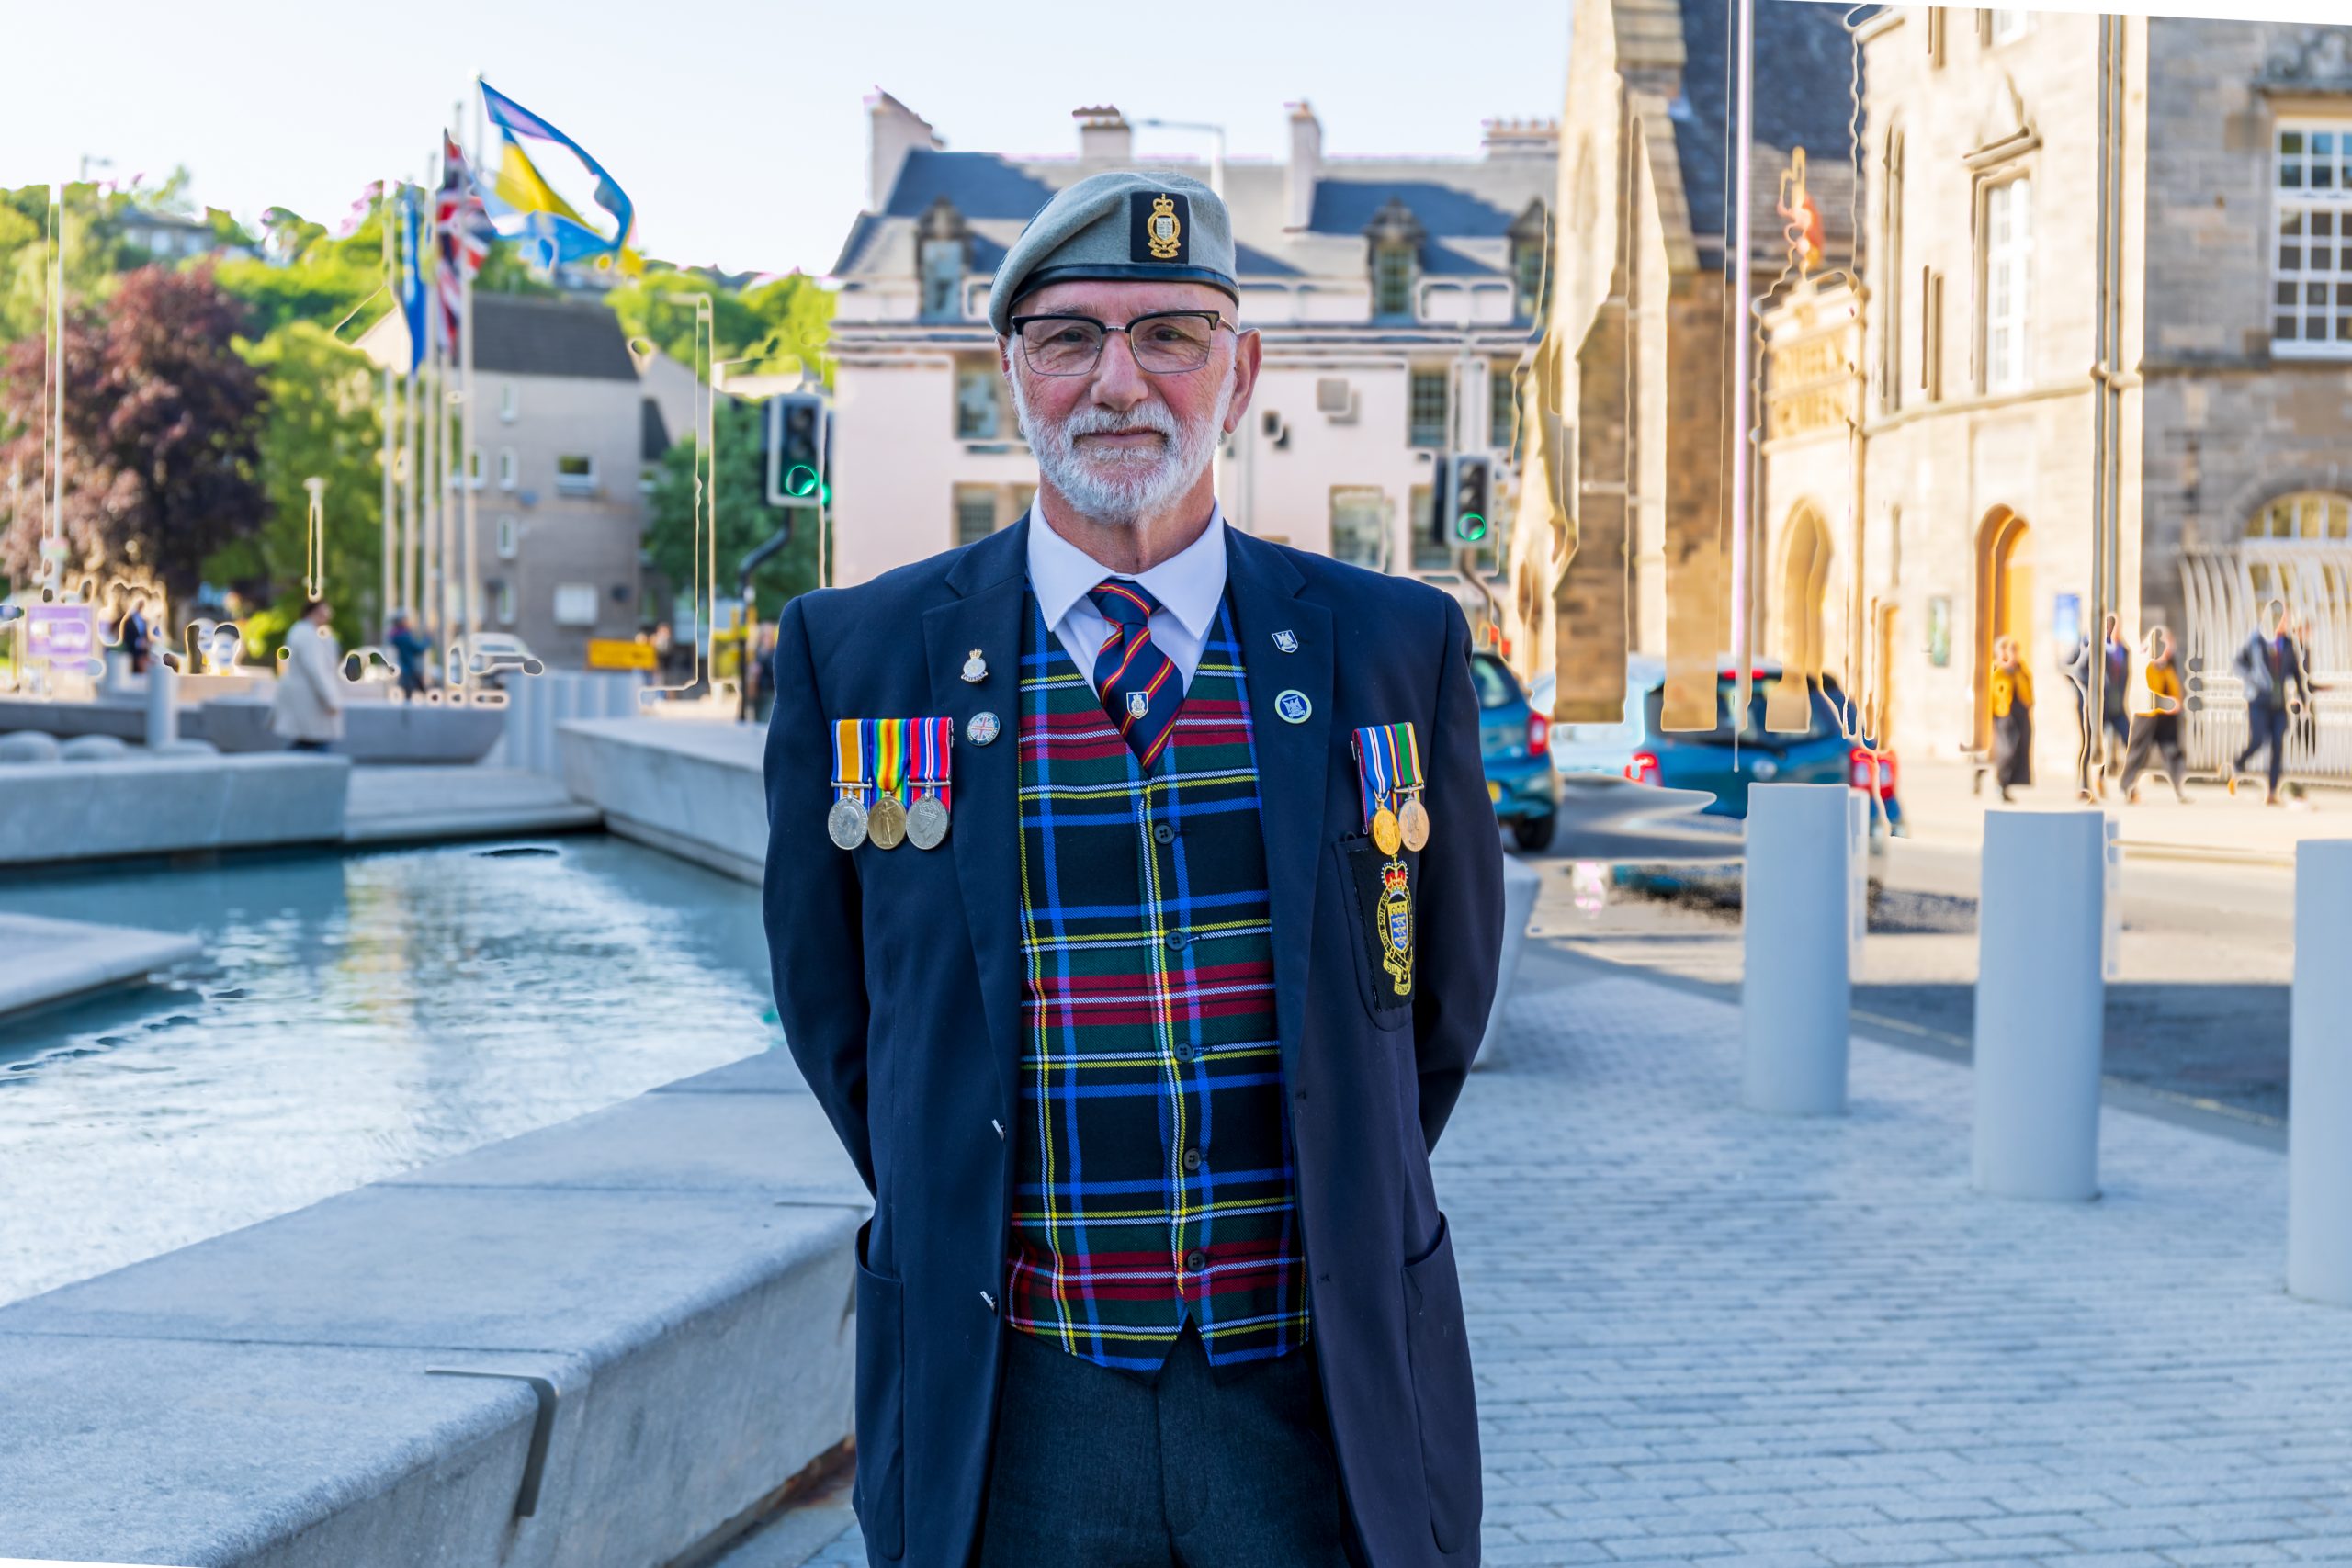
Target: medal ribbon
[[1373, 766], [938, 738], [850, 773], [890, 757], [1404, 754]]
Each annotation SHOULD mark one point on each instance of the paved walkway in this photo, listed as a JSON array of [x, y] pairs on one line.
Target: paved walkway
[[1704, 1334], [1939, 808]]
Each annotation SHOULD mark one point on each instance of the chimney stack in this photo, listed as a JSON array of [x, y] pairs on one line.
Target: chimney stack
[[1305, 164], [1522, 139], [1103, 135], [892, 130]]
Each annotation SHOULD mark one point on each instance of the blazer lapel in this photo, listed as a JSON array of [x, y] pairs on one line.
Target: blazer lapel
[[985, 780], [1294, 758]]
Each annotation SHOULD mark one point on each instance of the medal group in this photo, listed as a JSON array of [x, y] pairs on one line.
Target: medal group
[[1388, 772], [890, 781]]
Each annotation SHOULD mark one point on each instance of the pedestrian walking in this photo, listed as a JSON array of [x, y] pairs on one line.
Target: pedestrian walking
[[2156, 719], [2105, 746], [2277, 687], [409, 647], [307, 707], [136, 635], [2012, 693], [1143, 1061]]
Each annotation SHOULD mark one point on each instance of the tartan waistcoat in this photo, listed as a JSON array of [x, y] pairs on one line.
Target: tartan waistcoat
[[1155, 1175]]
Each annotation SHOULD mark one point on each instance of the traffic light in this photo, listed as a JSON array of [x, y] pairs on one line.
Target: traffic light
[[1470, 498], [797, 444]]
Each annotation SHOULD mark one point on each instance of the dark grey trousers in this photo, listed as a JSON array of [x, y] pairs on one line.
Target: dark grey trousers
[[1096, 1469]]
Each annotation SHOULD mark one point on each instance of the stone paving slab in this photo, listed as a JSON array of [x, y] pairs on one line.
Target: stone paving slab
[[1706, 1335], [44, 960]]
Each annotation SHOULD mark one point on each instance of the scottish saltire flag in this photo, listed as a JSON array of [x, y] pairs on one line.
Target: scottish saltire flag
[[411, 279], [465, 235], [556, 231]]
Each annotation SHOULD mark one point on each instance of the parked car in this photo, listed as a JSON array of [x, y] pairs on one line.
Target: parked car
[[1515, 740], [1727, 759], [1603, 747], [489, 655]]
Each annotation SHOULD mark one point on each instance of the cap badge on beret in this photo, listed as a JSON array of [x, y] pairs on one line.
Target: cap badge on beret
[[1159, 226]]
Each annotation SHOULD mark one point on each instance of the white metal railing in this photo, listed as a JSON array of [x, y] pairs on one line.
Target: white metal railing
[[2226, 593]]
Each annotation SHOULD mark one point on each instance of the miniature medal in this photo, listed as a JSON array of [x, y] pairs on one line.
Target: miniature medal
[[927, 823], [1413, 822], [885, 824], [1386, 831]]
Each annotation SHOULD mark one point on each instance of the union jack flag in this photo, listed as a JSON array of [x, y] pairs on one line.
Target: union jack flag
[[465, 235]]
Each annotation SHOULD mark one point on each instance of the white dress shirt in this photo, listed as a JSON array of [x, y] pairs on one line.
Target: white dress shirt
[[1188, 585]]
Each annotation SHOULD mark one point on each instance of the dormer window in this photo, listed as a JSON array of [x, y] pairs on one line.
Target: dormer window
[[1530, 274], [943, 246], [1396, 238]]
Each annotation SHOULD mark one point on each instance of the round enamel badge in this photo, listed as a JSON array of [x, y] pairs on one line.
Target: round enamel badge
[[1294, 706]]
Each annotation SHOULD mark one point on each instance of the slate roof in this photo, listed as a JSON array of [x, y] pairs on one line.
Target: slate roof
[[1465, 206], [527, 335], [1805, 68]]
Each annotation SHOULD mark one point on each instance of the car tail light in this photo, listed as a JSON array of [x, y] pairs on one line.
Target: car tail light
[[1539, 735], [1643, 769], [1862, 764]]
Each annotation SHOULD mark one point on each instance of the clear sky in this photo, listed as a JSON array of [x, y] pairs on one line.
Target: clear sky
[[739, 125]]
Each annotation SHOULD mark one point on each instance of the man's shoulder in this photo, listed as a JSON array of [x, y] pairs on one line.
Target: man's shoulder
[[902, 590]]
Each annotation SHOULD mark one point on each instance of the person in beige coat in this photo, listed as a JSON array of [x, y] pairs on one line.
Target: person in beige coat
[[308, 706]]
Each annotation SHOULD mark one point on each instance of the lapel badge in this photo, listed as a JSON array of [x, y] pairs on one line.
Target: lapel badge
[[1139, 704], [982, 729], [975, 669], [1294, 706], [1287, 640]]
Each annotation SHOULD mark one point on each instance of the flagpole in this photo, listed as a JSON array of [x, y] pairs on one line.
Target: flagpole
[[413, 468], [437, 458], [389, 420], [471, 563]]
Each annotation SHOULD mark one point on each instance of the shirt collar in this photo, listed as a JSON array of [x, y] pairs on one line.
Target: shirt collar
[[1188, 584]]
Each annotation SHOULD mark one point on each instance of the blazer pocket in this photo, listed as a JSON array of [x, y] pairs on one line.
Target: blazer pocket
[[880, 1490], [1364, 892], [1442, 1395]]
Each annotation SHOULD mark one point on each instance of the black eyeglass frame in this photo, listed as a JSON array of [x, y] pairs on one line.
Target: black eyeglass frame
[[1211, 317]]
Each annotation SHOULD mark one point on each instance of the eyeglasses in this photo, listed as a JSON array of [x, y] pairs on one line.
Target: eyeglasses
[[1165, 342]]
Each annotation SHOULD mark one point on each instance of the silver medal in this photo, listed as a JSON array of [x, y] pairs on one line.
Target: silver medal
[[846, 823], [927, 822]]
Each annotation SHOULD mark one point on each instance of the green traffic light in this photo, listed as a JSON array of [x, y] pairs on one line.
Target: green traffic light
[[800, 479], [1470, 527]]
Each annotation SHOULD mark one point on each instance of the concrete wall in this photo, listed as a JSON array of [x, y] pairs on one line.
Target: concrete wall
[[677, 1268], [143, 805]]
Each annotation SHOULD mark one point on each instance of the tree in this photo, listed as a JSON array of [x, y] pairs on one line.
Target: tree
[[320, 421], [777, 320], [744, 517], [160, 429]]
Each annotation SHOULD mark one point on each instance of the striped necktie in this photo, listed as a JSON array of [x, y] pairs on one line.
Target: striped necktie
[[1135, 682]]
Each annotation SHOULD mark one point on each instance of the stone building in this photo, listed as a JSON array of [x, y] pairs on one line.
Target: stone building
[[1640, 316], [1952, 477], [563, 441], [1395, 298]]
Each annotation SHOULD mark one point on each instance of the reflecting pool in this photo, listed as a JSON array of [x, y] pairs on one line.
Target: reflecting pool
[[354, 1017]]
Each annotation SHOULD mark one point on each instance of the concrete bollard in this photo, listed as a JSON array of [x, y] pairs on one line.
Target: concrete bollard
[[2040, 1004], [162, 704], [1796, 987], [2319, 1078]]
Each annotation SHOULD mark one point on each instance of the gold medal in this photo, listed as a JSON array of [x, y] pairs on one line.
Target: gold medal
[[1414, 822], [1385, 831], [886, 824]]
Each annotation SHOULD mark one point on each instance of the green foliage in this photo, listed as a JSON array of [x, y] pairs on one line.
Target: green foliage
[[321, 419], [777, 322], [744, 518]]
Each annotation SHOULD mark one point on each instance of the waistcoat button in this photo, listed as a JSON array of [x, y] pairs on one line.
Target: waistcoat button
[[1163, 833]]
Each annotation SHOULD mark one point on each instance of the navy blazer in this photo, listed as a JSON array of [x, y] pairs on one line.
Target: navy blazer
[[898, 979]]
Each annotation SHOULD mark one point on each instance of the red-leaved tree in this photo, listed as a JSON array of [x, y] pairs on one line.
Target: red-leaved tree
[[161, 435]]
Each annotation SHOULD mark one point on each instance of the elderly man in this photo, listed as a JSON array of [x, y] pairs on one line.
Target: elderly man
[[1143, 1059]]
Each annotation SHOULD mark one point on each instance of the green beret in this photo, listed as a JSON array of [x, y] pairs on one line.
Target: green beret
[[1121, 225]]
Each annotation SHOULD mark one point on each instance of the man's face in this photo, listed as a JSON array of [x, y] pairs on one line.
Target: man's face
[[1119, 442]]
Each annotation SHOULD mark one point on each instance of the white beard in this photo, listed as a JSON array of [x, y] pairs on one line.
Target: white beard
[[1122, 488]]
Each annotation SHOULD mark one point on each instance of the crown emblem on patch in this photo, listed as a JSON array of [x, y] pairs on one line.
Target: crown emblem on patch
[[1165, 230], [1139, 704]]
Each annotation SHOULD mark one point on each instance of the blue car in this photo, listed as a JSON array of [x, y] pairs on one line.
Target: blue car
[[1708, 760], [1516, 743]]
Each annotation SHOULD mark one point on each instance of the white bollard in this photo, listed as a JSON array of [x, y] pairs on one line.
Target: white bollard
[[162, 704], [2319, 1078], [2040, 1004], [1796, 988]]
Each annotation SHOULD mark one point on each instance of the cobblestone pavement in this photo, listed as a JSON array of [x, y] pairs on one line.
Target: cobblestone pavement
[[1706, 1335]]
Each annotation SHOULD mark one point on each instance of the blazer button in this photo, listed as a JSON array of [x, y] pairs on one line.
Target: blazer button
[[1192, 1159], [1161, 833]]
